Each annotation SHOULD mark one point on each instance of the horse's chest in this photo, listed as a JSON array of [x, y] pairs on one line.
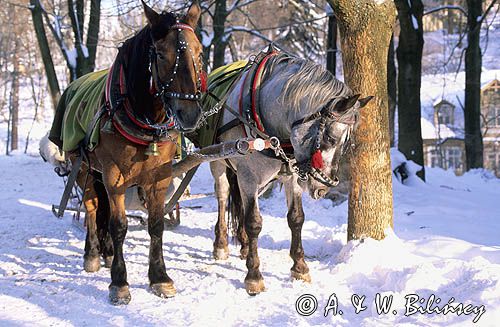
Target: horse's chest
[[132, 162]]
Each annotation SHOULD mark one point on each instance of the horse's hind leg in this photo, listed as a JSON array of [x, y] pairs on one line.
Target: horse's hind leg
[[91, 260], [161, 284], [102, 219], [237, 213], [295, 218], [221, 250]]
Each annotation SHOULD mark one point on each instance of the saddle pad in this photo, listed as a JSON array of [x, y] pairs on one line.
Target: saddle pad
[[76, 109], [219, 83]]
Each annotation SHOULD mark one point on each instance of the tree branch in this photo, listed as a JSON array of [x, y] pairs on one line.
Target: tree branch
[[449, 7]]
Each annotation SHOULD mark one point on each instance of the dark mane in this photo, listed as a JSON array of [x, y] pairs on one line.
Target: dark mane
[[134, 54]]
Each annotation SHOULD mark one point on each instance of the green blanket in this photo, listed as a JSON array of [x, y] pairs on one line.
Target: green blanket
[[76, 109], [227, 75]]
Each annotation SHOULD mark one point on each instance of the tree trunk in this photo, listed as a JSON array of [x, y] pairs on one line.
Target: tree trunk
[[93, 33], [365, 32], [472, 113], [36, 13], [14, 136], [220, 16], [391, 88], [331, 45], [409, 53]]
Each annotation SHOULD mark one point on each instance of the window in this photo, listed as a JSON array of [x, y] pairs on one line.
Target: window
[[493, 117], [453, 158], [493, 162], [435, 160], [444, 114]]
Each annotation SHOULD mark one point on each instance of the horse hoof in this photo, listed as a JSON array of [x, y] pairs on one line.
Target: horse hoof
[[221, 254], [163, 290], [300, 276], [91, 264], [254, 287], [119, 295], [108, 261]]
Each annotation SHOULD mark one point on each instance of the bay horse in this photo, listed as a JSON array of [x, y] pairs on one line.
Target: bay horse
[[314, 115], [152, 93]]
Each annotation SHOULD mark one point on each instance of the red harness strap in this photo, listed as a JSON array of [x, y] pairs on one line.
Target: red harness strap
[[255, 84], [128, 110], [254, 96]]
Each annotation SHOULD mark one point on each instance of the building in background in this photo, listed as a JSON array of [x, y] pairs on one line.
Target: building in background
[[442, 123]]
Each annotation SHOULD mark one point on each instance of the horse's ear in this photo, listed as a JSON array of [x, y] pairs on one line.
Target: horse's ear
[[364, 101], [152, 16], [346, 103], [193, 14]]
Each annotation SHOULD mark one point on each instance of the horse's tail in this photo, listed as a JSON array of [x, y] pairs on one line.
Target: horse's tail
[[235, 214]]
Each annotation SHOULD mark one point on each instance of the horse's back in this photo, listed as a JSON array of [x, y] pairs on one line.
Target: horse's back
[[75, 110]]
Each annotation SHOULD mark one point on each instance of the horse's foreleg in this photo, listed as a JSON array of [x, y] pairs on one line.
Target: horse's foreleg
[[91, 260], [254, 283], [161, 284], [221, 250], [113, 181], [295, 218]]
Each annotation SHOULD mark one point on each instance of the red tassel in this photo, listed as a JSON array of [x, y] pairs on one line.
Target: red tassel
[[203, 79], [317, 160]]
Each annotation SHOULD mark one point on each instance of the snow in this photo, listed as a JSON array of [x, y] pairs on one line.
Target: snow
[[430, 132], [72, 54], [445, 243], [414, 22]]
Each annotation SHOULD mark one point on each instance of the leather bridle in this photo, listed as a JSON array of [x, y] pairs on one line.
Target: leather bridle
[[161, 88]]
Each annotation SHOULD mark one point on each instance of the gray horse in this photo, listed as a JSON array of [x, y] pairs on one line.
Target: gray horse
[[302, 102]]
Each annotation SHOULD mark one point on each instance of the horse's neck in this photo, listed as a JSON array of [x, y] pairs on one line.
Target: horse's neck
[[276, 116], [143, 104]]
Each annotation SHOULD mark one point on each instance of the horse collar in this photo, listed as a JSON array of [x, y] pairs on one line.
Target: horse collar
[[122, 117]]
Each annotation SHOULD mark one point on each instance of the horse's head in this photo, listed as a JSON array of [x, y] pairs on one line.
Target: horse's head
[[176, 64], [320, 143]]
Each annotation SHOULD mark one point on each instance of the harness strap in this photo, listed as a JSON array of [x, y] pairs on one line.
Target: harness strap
[[232, 124], [180, 190], [255, 93], [75, 169], [240, 117]]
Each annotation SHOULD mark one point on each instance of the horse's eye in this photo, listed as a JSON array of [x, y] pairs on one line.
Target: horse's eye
[[160, 56]]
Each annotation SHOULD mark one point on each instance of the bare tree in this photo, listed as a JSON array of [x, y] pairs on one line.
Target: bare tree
[[365, 32], [391, 88], [79, 54], [409, 53], [43, 43], [473, 64]]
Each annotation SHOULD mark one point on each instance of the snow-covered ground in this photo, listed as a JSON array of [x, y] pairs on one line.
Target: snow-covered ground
[[446, 242]]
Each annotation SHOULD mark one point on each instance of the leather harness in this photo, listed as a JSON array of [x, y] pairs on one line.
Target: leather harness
[[249, 101]]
